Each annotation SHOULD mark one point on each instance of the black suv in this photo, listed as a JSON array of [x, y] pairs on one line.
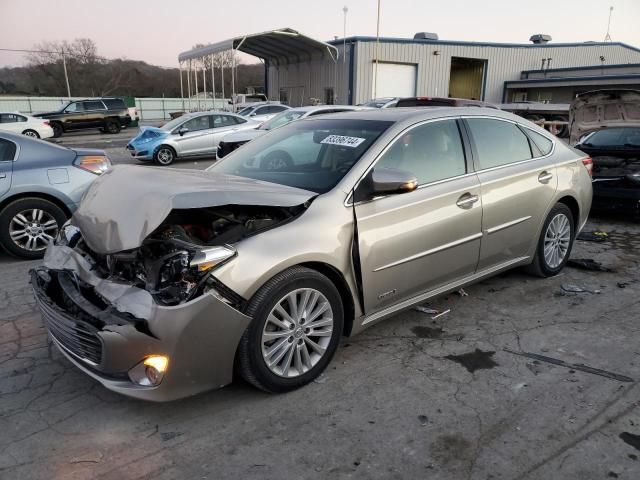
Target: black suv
[[107, 114]]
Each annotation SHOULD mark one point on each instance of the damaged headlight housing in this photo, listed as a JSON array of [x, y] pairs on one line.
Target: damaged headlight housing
[[150, 372], [208, 258]]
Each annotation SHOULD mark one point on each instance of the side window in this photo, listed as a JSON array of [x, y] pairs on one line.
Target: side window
[[238, 120], [7, 150], [94, 105], [278, 108], [197, 123], [263, 111], [498, 143], [74, 107], [114, 103], [543, 143], [8, 118], [431, 152], [223, 121]]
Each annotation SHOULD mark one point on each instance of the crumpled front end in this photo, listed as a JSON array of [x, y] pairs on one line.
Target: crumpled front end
[[133, 339], [144, 145]]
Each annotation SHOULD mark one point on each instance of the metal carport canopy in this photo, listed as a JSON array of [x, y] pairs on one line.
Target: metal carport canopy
[[274, 46]]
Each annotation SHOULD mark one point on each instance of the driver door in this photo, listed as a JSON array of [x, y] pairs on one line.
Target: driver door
[[410, 243]]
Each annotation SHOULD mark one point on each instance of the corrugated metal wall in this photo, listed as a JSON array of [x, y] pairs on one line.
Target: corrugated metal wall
[[503, 63], [305, 80]]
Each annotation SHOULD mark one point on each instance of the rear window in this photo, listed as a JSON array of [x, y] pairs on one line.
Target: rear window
[[114, 103], [614, 137]]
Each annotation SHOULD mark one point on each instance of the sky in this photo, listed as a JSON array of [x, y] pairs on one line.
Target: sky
[[156, 31]]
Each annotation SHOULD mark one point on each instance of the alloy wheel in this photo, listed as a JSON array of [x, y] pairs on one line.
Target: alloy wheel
[[33, 229], [557, 240], [31, 133], [297, 332], [165, 156]]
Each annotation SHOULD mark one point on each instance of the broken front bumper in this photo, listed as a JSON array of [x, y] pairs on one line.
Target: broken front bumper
[[108, 342]]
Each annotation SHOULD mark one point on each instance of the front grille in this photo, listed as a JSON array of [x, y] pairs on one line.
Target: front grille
[[78, 337]]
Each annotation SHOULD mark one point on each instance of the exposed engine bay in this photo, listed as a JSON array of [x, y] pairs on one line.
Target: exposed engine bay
[[174, 262]]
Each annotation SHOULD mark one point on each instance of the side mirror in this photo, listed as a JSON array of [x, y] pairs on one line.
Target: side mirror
[[385, 181], [253, 114], [183, 130]]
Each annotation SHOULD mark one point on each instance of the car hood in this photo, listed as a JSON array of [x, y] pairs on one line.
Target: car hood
[[142, 136], [243, 136], [599, 109], [127, 203]]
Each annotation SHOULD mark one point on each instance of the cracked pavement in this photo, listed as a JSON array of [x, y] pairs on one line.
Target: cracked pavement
[[390, 405]]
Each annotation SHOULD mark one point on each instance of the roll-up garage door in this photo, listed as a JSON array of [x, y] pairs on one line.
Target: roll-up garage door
[[395, 80]]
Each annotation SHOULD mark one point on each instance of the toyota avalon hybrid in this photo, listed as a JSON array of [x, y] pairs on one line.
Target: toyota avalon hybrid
[[259, 267]]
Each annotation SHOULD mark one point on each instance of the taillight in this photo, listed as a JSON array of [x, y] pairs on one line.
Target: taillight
[[97, 164], [588, 164], [46, 122]]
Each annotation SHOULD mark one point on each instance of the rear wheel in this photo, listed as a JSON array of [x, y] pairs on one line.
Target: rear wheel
[[555, 242], [296, 328], [164, 156], [31, 133], [112, 126], [28, 225], [57, 129]]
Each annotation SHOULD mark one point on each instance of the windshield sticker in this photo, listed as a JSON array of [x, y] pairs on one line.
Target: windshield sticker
[[342, 140]]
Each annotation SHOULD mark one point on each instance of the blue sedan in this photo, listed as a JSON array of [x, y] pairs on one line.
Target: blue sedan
[[41, 185]]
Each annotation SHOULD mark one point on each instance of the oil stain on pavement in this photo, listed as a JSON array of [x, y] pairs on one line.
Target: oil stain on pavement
[[477, 360]]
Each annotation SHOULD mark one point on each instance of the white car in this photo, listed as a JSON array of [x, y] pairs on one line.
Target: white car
[[15, 122], [262, 112]]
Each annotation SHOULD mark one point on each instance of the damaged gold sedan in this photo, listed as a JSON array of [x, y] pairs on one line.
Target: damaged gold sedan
[[165, 283]]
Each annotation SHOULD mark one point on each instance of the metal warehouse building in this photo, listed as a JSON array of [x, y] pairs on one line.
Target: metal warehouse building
[[300, 70]]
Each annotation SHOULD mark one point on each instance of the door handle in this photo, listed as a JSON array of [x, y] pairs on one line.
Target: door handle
[[545, 177], [467, 200]]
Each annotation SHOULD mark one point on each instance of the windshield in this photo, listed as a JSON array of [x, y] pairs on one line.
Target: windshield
[[281, 119], [311, 154], [167, 127], [246, 111], [377, 102], [614, 137]]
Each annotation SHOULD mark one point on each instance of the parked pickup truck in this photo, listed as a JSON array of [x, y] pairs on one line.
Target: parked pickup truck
[[107, 114]]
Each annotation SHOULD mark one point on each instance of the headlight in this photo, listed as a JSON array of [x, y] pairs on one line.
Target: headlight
[[209, 258]]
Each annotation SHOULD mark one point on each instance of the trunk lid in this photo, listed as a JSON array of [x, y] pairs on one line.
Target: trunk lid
[[592, 111]]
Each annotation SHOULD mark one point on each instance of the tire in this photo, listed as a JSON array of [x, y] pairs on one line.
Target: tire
[[164, 156], [31, 133], [562, 131], [297, 339], [543, 265], [57, 129], [21, 213], [112, 126]]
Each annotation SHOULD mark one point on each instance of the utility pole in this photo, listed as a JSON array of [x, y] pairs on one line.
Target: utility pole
[[607, 37], [213, 82], [375, 74], [344, 56], [66, 76], [181, 87]]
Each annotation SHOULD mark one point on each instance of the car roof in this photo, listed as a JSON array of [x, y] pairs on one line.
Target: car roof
[[425, 113]]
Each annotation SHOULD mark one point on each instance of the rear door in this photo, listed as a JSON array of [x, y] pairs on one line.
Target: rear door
[[415, 242], [198, 138], [94, 113], [8, 151], [74, 116], [222, 125], [518, 183]]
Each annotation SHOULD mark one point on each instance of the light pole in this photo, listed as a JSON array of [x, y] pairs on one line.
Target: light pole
[[344, 55], [375, 75]]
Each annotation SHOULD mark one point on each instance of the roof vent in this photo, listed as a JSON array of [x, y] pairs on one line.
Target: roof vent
[[425, 36], [540, 38]]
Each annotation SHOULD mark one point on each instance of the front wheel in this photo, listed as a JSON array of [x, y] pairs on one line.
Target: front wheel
[[555, 242], [28, 225], [164, 156], [57, 129], [296, 328], [31, 133]]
